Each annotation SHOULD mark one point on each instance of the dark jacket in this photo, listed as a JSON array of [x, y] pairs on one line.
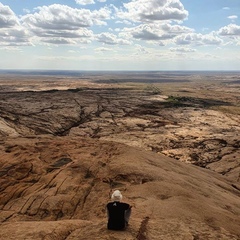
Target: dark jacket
[[116, 215]]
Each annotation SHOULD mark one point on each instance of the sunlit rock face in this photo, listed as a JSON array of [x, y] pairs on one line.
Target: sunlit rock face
[[185, 128], [66, 145], [57, 187]]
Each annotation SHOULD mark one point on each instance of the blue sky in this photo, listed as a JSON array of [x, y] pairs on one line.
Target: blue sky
[[120, 35]]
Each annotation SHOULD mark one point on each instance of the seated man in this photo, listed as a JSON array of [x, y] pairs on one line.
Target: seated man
[[118, 212]]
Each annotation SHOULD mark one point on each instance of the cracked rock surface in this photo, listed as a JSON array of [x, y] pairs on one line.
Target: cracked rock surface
[[57, 188], [66, 144], [201, 127]]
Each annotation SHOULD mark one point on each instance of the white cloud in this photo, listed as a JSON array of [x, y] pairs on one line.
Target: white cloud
[[7, 17], [25, 10], [87, 2], [84, 2], [183, 50], [102, 49], [58, 41], [14, 37], [176, 29], [147, 32], [198, 39], [155, 32], [152, 10], [111, 39], [126, 22], [11, 32], [141, 50], [232, 17], [230, 30], [61, 24], [100, 15], [59, 17], [12, 49]]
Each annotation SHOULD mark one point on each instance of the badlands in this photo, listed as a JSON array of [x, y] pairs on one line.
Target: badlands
[[169, 141]]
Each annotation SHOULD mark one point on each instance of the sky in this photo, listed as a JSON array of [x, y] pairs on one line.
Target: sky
[[146, 35]]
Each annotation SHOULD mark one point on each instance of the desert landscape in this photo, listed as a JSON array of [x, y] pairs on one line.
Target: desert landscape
[[168, 140]]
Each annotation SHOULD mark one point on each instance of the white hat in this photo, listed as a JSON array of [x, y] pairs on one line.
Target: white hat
[[117, 196]]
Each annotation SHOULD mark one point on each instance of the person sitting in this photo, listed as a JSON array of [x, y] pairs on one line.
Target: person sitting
[[118, 212]]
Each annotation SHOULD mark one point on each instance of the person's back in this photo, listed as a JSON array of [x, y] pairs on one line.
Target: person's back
[[118, 212]]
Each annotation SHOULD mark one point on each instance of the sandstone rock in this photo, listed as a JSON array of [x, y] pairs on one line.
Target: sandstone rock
[[130, 116], [57, 188], [67, 143]]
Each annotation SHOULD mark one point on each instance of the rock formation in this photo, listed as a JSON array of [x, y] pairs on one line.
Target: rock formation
[[66, 144], [57, 188], [185, 128]]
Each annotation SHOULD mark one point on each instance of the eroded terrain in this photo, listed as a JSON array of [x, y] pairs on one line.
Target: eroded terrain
[[170, 143], [192, 118], [58, 187]]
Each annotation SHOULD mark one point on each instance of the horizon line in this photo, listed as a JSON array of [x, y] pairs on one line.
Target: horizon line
[[122, 70]]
